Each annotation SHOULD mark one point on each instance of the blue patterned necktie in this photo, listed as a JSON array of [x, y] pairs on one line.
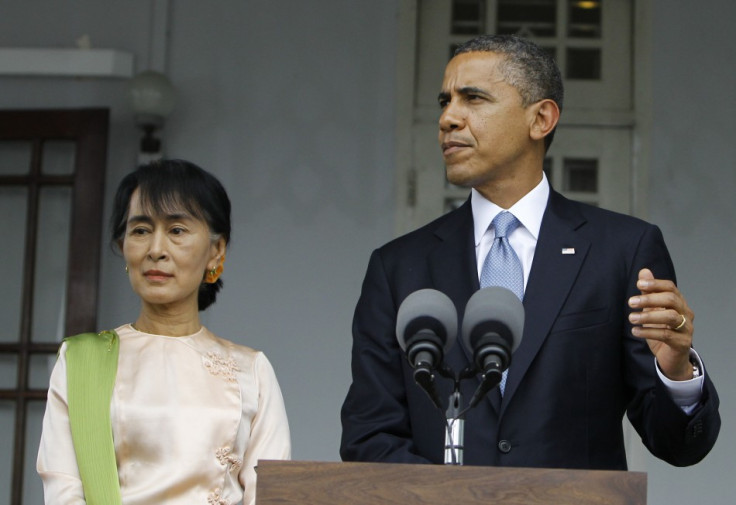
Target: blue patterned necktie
[[502, 266]]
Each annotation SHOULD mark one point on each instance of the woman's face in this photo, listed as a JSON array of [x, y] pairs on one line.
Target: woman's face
[[168, 255]]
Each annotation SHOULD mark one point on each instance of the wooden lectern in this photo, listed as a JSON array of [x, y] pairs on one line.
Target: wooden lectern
[[314, 483]]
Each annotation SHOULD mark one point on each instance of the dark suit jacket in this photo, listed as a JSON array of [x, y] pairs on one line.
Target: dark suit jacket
[[576, 372]]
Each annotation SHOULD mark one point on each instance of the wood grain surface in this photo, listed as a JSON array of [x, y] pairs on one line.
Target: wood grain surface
[[306, 483]]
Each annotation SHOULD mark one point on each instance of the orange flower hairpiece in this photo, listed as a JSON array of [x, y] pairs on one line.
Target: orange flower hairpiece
[[216, 272]]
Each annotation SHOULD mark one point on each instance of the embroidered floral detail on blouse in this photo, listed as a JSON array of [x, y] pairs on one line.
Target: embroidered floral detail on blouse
[[218, 365], [226, 457], [215, 498]]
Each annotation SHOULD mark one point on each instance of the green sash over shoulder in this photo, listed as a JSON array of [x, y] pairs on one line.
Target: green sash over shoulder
[[92, 364]]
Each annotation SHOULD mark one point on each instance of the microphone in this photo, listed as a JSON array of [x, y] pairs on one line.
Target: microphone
[[426, 328], [492, 328]]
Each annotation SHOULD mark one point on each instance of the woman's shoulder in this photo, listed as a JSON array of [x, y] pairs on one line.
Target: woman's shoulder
[[244, 360], [241, 353], [231, 346]]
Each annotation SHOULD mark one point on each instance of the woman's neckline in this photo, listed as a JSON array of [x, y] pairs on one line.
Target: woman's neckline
[[138, 330]]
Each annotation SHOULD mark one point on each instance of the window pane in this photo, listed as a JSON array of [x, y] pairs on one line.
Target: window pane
[[15, 158], [581, 175], [49, 293], [7, 437], [32, 487], [584, 64], [13, 202], [39, 370], [8, 371], [585, 19], [529, 18], [58, 157], [468, 17]]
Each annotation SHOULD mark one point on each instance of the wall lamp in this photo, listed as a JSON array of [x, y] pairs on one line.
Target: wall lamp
[[152, 97]]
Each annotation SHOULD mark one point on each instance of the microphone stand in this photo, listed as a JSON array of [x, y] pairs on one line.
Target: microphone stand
[[455, 417], [455, 413], [455, 432]]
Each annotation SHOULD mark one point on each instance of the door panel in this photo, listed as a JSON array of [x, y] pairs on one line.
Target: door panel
[[52, 167]]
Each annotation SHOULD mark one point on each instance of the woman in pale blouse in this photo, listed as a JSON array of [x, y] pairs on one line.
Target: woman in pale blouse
[[191, 413]]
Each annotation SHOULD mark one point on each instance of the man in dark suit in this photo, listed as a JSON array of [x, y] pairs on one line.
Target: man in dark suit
[[606, 330]]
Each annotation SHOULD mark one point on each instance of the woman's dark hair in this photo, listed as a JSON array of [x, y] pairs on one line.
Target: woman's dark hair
[[168, 185]]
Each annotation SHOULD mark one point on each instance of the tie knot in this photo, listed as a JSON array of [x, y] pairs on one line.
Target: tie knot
[[504, 223]]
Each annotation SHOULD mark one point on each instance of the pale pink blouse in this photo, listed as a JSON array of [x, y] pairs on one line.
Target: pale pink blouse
[[191, 416]]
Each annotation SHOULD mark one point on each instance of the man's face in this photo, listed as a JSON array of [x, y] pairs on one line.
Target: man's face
[[484, 131]]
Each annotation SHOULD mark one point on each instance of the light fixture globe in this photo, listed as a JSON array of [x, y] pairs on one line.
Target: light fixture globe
[[152, 97]]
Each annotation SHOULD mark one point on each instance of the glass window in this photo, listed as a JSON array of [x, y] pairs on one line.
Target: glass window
[[8, 371], [581, 175], [58, 157], [39, 370], [468, 17], [584, 19], [13, 205], [528, 18], [583, 64], [52, 253], [7, 425], [46, 191], [15, 158]]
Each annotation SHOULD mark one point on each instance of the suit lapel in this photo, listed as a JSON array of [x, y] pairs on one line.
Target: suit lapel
[[452, 263], [454, 271], [559, 254]]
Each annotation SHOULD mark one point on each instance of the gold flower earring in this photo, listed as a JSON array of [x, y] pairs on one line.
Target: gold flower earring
[[215, 273]]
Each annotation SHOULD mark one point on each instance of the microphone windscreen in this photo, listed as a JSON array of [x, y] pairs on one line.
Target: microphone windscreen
[[493, 304], [431, 307]]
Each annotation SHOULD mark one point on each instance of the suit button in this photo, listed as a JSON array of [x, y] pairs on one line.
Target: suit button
[[504, 446]]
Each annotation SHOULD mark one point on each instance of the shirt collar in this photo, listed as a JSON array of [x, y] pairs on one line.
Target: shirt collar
[[529, 210]]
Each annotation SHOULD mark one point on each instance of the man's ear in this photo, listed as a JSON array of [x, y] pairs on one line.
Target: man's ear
[[546, 115]]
